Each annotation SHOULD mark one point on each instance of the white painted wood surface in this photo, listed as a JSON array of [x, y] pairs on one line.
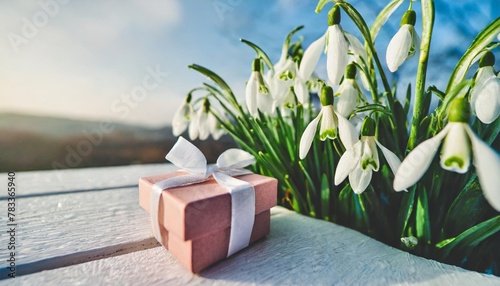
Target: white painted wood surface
[[85, 227]]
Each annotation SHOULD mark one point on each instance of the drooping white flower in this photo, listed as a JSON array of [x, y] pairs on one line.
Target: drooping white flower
[[361, 160], [349, 94], [215, 128], [257, 92], [328, 120], [337, 44], [459, 142], [485, 99], [284, 77], [182, 116], [203, 123], [404, 44], [193, 125]]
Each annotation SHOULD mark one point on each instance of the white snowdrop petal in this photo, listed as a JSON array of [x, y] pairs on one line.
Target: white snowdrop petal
[[328, 126], [390, 157], [308, 136], [359, 180], [486, 105], [180, 120], [337, 57], [398, 48], [311, 57], [416, 163], [487, 162], [347, 132], [251, 92], [301, 91], [203, 125], [455, 153], [347, 100], [345, 166], [193, 125]]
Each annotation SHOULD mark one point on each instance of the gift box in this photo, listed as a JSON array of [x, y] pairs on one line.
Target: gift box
[[203, 218]]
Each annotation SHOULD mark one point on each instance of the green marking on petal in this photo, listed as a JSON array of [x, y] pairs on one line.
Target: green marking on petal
[[328, 133], [454, 160], [367, 162]]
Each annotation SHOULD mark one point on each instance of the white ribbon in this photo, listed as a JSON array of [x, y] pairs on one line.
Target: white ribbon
[[230, 163]]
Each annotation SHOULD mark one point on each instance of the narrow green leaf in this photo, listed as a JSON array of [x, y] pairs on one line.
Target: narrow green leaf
[[472, 236], [325, 197], [423, 226], [288, 39], [383, 16], [482, 40], [321, 5], [213, 76], [260, 53], [405, 210]]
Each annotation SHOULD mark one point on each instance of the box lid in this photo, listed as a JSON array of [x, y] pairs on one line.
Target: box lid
[[196, 210]]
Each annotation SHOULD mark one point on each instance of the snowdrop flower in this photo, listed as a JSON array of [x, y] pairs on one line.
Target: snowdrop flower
[[214, 126], [283, 79], [336, 50], [459, 142], [328, 129], [404, 44], [362, 159], [199, 125], [257, 92], [349, 93], [485, 99], [182, 116]]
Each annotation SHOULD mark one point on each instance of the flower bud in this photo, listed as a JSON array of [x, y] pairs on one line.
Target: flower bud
[[256, 65], [459, 110], [487, 60], [206, 104], [334, 16], [350, 71], [409, 17], [368, 127], [326, 96]]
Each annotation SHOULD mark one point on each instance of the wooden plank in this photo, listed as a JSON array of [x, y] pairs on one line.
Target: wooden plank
[[80, 180], [298, 251], [59, 225]]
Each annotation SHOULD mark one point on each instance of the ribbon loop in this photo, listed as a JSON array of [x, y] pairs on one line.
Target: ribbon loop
[[230, 163], [187, 157], [235, 158]]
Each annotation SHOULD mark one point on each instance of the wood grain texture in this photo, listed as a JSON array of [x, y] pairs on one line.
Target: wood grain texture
[[40, 183], [298, 251], [56, 225], [89, 220]]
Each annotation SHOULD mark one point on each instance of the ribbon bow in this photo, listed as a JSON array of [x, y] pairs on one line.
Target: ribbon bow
[[230, 163]]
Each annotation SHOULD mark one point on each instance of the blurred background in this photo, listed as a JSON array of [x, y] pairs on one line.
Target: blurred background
[[93, 83]]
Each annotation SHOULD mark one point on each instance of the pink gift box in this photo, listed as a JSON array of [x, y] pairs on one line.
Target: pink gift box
[[195, 220]]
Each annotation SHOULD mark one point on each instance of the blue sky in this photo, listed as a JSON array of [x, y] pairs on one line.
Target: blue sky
[[85, 59]]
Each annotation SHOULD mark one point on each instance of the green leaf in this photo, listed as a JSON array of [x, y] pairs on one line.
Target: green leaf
[[321, 5], [423, 226], [213, 76], [288, 39], [405, 211], [482, 40], [383, 16], [325, 197], [260, 53], [472, 236]]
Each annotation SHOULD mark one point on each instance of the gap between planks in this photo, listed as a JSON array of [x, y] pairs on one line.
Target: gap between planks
[[81, 257]]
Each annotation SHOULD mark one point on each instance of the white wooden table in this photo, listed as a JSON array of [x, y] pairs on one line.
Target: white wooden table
[[85, 227]]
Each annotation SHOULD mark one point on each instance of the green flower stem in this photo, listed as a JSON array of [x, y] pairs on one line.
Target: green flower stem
[[418, 106]]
